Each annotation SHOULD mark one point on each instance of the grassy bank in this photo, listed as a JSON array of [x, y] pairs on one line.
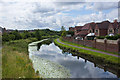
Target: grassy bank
[[105, 58], [15, 59], [67, 42]]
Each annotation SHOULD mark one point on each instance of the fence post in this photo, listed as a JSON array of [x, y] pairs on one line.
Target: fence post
[[83, 42], [105, 42], [118, 43], [95, 43]]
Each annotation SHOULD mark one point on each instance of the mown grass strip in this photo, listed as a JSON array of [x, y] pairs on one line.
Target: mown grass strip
[[67, 42], [95, 54]]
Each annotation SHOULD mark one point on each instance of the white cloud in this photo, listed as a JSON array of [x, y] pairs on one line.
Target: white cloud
[[112, 15], [99, 6], [25, 15], [61, 0]]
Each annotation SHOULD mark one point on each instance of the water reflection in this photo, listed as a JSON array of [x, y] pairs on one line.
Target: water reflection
[[79, 67]]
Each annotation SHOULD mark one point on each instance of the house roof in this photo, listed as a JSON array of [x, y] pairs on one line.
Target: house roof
[[71, 28], [83, 32], [115, 24], [87, 26], [93, 25], [118, 24], [103, 25], [78, 27]]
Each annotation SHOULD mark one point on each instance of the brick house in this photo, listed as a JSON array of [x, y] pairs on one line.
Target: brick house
[[71, 28], [119, 28], [114, 28], [91, 27], [4, 30], [77, 29], [101, 29], [88, 28]]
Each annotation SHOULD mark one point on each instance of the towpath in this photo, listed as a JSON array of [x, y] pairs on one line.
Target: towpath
[[89, 49]]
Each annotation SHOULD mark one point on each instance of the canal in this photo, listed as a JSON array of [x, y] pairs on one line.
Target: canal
[[53, 62]]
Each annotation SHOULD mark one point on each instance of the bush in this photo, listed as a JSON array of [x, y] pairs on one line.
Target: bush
[[100, 37], [113, 37], [109, 37], [37, 35]]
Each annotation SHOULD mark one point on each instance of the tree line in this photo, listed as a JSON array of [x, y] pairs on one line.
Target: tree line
[[38, 34]]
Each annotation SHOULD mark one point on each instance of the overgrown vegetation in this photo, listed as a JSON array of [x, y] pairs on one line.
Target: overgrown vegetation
[[15, 60]]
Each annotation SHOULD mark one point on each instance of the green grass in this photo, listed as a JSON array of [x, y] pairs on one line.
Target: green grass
[[67, 42], [15, 60], [105, 57]]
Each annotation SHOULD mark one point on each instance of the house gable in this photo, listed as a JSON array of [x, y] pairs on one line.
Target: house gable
[[96, 30], [110, 29]]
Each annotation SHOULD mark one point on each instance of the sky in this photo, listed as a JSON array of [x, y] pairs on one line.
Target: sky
[[28, 14]]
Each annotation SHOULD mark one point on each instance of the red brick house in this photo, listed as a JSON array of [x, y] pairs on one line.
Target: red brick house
[[88, 28], [98, 29], [77, 29], [114, 28], [101, 29], [119, 28], [71, 28], [92, 27]]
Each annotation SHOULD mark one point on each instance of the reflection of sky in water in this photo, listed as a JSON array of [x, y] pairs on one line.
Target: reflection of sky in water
[[78, 68]]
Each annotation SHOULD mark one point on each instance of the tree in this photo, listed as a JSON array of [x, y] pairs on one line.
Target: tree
[[63, 34], [26, 35], [37, 35], [11, 37], [63, 31], [17, 35], [62, 28], [32, 34], [5, 37], [70, 33]]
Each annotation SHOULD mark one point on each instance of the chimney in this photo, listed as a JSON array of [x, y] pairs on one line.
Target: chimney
[[115, 21]]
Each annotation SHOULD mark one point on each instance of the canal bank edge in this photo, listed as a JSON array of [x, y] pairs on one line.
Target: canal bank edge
[[114, 61]]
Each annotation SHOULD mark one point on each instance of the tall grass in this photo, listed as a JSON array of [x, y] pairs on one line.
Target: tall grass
[[15, 60]]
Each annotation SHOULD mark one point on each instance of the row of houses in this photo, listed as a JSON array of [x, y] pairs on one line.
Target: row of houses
[[96, 29]]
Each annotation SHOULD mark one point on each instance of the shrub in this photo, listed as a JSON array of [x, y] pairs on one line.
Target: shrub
[[100, 37], [109, 37], [37, 72], [113, 37]]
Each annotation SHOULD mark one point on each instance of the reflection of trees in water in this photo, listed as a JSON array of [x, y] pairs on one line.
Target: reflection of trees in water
[[38, 46], [47, 42]]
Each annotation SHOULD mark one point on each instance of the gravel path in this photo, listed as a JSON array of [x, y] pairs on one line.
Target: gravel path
[[89, 49]]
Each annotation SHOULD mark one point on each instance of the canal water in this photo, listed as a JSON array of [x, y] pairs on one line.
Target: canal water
[[53, 62]]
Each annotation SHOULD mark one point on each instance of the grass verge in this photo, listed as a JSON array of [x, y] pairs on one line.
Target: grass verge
[[104, 57], [67, 42], [15, 60]]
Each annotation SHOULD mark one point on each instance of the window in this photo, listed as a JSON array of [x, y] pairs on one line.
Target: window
[[96, 31], [110, 30], [116, 30], [90, 31]]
